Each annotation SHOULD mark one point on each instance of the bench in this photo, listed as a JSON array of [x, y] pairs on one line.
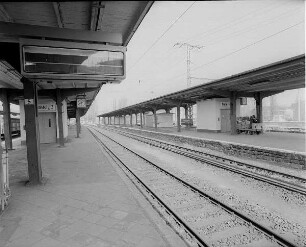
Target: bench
[[256, 129]]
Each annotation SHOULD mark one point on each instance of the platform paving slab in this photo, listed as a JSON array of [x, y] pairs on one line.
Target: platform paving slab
[[84, 202]]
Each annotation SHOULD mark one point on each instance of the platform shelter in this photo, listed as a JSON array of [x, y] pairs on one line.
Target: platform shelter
[[54, 64], [218, 102]]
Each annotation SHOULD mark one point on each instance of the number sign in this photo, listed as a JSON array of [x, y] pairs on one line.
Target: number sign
[[81, 103]]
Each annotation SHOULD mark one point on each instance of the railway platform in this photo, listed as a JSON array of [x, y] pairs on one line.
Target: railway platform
[[84, 201], [280, 140]]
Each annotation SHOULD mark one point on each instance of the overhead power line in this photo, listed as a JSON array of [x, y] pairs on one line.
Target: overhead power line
[[249, 28], [249, 45], [267, 37], [159, 38], [232, 23]]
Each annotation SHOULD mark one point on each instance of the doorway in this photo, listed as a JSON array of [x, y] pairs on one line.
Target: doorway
[[47, 127], [225, 120]]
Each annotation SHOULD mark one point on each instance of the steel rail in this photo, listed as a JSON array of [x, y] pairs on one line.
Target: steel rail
[[191, 154], [169, 211], [270, 233]]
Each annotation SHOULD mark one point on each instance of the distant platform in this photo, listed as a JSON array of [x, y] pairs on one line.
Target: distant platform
[[282, 150], [279, 140]]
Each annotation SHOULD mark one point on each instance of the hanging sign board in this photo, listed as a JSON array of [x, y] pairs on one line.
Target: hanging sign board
[[58, 60], [48, 107], [225, 105], [81, 103]]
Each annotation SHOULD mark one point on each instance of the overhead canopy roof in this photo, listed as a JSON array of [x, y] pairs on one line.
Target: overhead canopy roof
[[88, 22], [270, 79]]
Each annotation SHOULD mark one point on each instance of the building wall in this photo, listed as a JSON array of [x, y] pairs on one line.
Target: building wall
[[116, 120], [163, 120], [43, 101], [149, 120], [209, 114]]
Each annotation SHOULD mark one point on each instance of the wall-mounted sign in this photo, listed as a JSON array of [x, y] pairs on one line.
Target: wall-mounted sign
[[48, 107], [81, 103], [225, 105], [29, 101], [243, 101]]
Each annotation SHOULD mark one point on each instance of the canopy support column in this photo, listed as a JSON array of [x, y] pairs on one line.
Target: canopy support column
[[178, 118], [59, 104], [78, 122], [186, 112], [258, 98], [141, 115], [32, 130], [155, 118], [131, 119], [233, 99]]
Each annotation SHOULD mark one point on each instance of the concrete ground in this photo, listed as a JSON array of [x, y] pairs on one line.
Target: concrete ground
[[84, 202], [287, 141]]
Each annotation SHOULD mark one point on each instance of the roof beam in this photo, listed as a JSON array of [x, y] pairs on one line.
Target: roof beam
[[24, 30], [93, 17], [270, 93], [222, 93], [178, 101], [274, 85], [137, 22], [97, 12], [5, 15], [58, 14]]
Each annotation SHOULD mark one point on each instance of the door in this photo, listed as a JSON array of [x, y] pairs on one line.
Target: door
[[225, 120], [47, 127]]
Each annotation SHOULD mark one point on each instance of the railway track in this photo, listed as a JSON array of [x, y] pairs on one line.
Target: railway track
[[199, 218], [283, 180]]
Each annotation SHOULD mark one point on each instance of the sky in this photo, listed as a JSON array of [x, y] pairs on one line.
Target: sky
[[230, 36]]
